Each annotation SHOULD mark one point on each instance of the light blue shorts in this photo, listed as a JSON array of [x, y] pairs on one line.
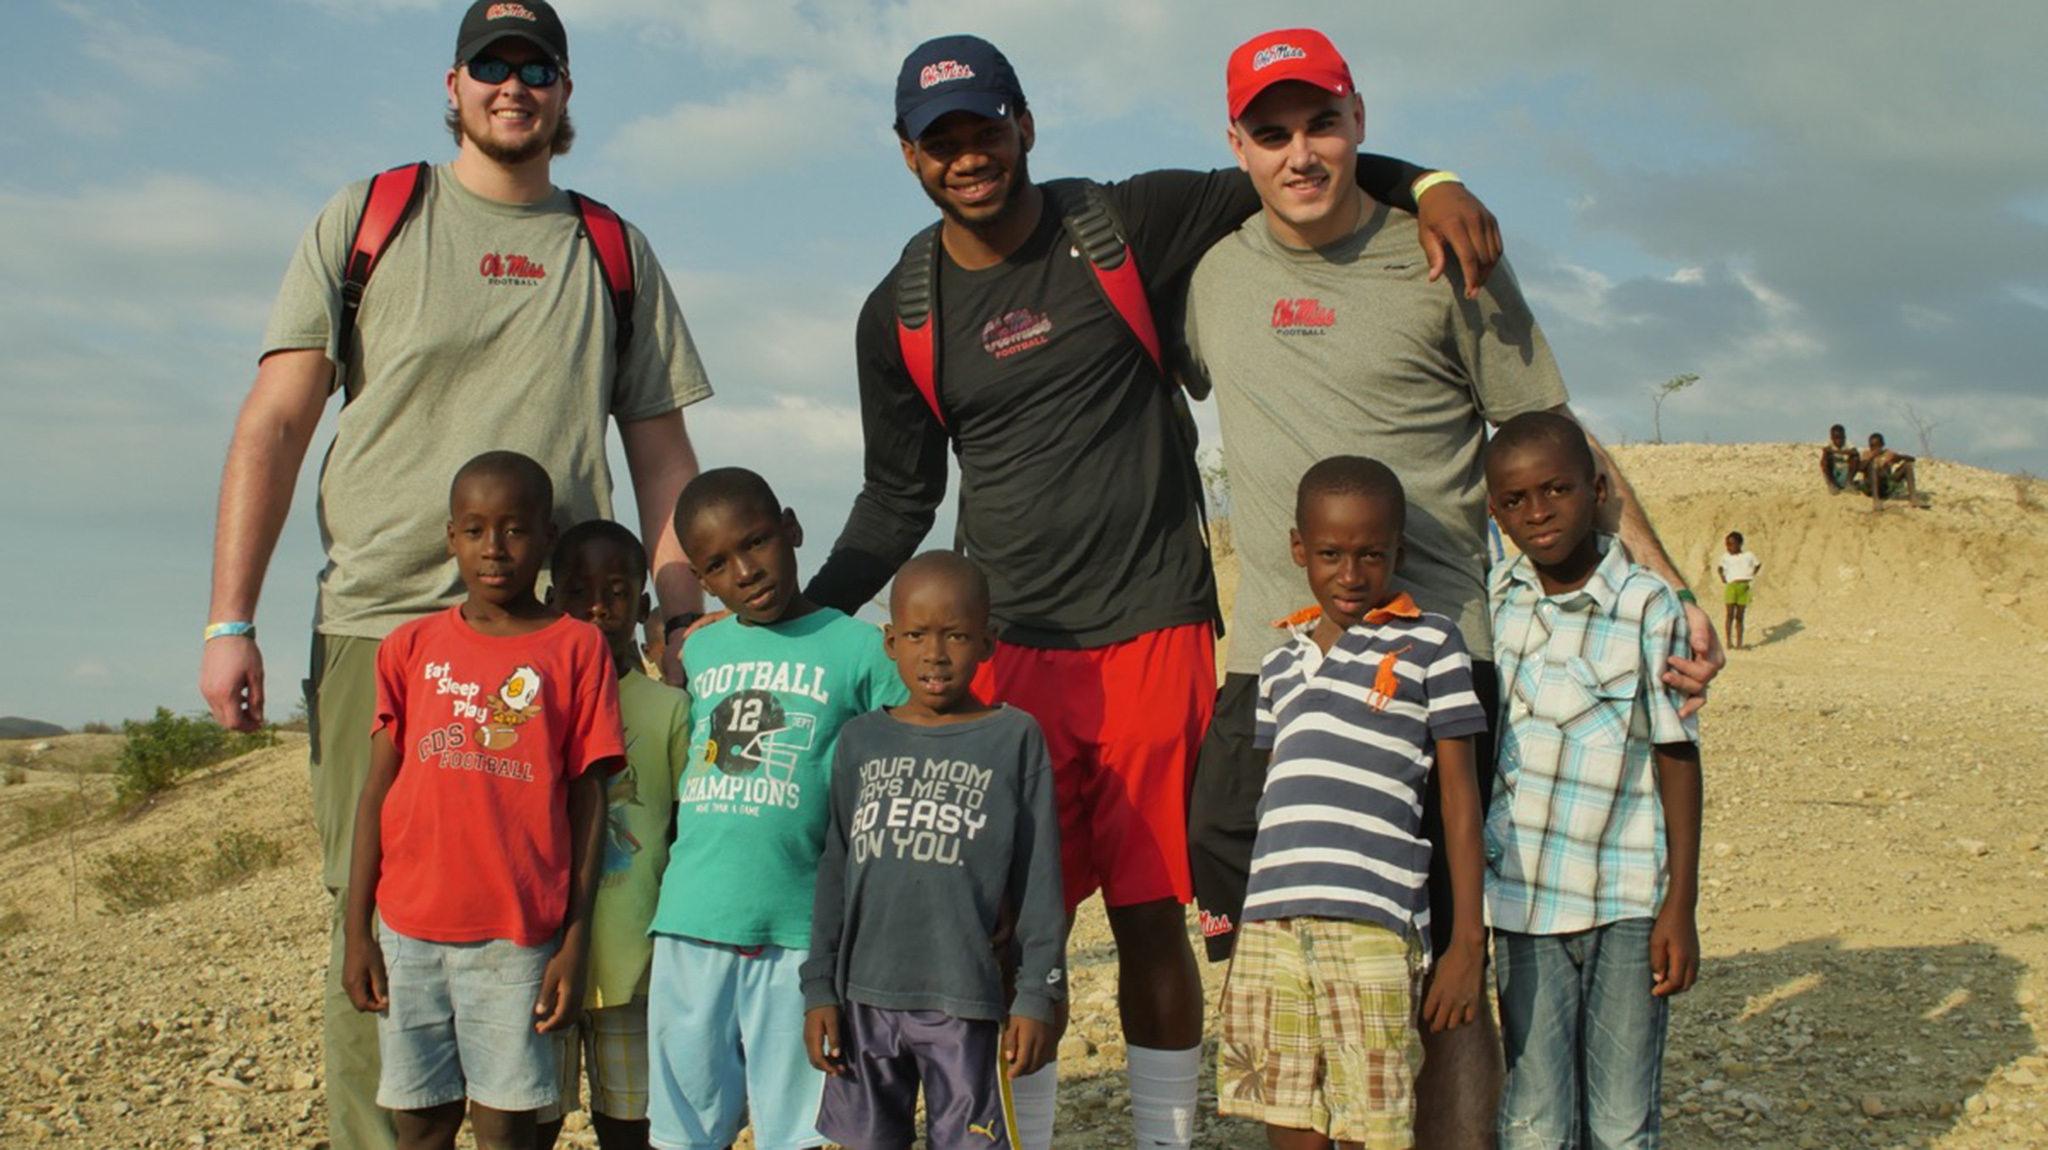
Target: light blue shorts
[[460, 1024], [725, 1043]]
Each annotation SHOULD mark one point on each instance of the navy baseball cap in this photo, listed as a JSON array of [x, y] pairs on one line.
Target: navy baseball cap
[[534, 21], [954, 74]]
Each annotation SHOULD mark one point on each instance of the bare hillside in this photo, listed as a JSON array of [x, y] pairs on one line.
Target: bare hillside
[[1874, 922]]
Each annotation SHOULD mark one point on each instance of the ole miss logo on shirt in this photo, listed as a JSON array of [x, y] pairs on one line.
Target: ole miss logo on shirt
[[1302, 317], [504, 268]]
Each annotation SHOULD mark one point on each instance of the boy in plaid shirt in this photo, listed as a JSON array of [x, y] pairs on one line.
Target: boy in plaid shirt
[[1592, 841]]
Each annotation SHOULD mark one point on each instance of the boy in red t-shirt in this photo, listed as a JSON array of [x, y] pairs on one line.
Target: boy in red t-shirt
[[477, 837]]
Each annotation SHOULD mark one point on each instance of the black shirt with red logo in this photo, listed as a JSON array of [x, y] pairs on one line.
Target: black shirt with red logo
[[1078, 494]]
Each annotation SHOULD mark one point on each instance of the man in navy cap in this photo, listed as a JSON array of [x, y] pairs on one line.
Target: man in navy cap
[[1079, 498], [487, 302]]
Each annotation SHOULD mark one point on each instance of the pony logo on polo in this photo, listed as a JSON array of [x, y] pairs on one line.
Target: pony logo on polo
[[1270, 56], [945, 71]]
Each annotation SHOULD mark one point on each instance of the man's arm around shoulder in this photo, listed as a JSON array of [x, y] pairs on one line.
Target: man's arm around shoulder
[[662, 461], [271, 436]]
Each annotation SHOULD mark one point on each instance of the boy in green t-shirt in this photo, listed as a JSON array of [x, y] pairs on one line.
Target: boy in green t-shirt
[[599, 570], [770, 688]]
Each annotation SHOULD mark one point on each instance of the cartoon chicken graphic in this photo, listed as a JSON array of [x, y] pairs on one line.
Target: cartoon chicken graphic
[[514, 705]]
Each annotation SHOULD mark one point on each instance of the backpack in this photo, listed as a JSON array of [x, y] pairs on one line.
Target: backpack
[[395, 194], [1094, 230]]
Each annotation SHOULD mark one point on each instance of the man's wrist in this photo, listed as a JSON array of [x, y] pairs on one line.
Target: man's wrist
[[230, 627], [1428, 180], [1685, 595]]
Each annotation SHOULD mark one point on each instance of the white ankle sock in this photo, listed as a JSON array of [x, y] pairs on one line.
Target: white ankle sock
[[1033, 1098], [1163, 1089]]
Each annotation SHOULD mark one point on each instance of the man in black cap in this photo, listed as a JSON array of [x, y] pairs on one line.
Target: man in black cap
[[1079, 498], [487, 324]]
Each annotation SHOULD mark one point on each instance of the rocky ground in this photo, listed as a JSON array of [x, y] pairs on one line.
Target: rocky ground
[[1875, 929]]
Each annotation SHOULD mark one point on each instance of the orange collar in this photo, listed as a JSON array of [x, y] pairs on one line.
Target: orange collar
[[1399, 607]]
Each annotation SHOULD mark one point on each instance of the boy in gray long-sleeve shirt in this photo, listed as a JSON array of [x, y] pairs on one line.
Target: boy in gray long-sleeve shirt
[[943, 826]]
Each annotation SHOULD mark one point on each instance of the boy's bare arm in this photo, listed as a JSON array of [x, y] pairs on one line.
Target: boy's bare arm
[[1454, 991], [561, 987], [1675, 939], [362, 971], [1625, 517]]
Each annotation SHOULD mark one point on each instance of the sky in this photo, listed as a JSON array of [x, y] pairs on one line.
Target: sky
[[1835, 210]]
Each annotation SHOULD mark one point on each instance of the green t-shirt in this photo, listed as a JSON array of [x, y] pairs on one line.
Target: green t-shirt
[[766, 707], [640, 804], [486, 326]]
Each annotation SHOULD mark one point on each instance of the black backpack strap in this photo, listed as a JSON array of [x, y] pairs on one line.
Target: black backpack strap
[[1099, 235], [393, 196], [607, 236], [917, 320]]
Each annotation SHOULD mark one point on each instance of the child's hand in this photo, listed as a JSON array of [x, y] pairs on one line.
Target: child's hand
[[1452, 999], [362, 973], [1674, 950], [1028, 1045], [561, 991], [821, 1039]]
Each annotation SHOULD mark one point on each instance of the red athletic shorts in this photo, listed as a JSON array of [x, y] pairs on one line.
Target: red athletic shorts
[[1123, 724]]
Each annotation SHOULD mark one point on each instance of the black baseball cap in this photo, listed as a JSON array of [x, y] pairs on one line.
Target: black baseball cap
[[531, 20], [954, 74]]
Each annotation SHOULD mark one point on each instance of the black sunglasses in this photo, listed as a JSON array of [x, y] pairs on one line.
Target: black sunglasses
[[533, 73]]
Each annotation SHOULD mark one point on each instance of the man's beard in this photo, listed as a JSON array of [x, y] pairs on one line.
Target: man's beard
[[557, 145], [1013, 200]]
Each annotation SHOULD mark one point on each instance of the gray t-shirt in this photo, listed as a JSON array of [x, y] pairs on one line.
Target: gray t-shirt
[[485, 326], [1350, 350], [933, 830]]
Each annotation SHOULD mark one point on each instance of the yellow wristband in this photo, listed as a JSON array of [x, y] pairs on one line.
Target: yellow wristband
[[1428, 180]]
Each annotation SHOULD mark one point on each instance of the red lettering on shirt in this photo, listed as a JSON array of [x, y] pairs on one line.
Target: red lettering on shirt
[[1302, 316]]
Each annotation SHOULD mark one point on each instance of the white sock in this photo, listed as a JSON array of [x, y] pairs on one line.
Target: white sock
[[1032, 1101], [1163, 1089]]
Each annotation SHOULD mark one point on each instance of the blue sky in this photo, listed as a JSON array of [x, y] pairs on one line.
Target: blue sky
[[1827, 210]]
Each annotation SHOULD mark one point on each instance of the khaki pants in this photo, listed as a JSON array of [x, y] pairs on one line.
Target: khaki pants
[[341, 700]]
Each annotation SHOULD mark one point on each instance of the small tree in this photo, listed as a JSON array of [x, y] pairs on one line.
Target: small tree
[[1666, 390], [1924, 423]]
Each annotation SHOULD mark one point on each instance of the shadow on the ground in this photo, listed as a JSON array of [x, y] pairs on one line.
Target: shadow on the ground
[[1872, 1046], [1779, 632]]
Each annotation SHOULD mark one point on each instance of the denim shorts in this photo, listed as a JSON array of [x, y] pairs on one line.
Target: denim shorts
[[460, 1024]]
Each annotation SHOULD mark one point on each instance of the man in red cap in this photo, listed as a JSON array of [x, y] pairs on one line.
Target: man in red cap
[[1080, 500], [487, 325], [1323, 334]]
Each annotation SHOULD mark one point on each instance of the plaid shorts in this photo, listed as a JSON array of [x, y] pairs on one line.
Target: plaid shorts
[[1319, 1029], [612, 1042]]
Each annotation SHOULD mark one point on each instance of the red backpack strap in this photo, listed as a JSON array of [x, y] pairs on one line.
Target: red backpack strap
[[607, 235], [1098, 235], [393, 196], [917, 318]]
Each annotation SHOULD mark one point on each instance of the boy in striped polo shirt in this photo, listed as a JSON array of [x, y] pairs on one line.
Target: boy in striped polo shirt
[[1319, 1033], [1592, 842]]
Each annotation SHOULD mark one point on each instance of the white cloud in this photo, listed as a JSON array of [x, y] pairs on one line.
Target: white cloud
[[118, 35], [89, 115]]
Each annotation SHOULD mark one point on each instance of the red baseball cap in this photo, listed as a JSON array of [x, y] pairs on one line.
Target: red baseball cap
[[1287, 54]]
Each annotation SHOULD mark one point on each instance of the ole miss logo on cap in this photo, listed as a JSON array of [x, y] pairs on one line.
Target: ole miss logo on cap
[[942, 72], [1268, 57], [510, 11]]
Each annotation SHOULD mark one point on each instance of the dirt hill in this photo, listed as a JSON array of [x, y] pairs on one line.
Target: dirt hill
[[1873, 917]]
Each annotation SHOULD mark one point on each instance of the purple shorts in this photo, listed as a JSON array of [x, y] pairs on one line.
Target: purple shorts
[[888, 1053]]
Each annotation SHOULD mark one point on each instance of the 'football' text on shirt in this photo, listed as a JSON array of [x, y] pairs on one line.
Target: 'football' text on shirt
[[767, 675]]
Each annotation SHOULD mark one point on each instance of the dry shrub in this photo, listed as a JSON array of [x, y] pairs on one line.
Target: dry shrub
[[139, 878], [41, 817]]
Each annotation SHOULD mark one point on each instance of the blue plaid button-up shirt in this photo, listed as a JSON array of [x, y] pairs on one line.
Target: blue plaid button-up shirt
[[1575, 835]]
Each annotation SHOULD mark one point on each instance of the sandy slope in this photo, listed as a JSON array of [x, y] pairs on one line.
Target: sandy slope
[[1874, 919]]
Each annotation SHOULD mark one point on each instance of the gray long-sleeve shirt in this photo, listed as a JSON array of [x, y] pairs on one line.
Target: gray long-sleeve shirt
[[933, 830]]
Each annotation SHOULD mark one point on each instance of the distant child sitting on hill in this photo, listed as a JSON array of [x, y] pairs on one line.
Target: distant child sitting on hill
[[770, 687], [477, 836], [600, 574], [1370, 695], [1592, 841], [943, 823], [1738, 568]]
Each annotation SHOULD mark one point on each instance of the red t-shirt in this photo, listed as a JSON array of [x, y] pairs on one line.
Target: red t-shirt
[[490, 729]]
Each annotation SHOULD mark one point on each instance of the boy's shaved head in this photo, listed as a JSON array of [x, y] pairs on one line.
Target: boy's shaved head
[[528, 477], [724, 487], [1351, 475], [597, 533], [1547, 428], [951, 568]]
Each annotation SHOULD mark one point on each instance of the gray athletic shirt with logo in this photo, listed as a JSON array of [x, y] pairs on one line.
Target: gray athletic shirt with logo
[[485, 326], [1350, 350], [933, 830]]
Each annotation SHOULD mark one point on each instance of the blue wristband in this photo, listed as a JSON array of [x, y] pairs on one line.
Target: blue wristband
[[217, 630]]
